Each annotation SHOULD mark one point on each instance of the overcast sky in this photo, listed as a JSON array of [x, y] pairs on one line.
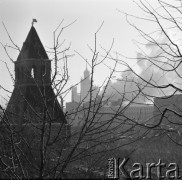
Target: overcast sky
[[89, 14]]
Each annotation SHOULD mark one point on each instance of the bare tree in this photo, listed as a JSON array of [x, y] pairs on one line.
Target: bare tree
[[159, 60], [42, 146]]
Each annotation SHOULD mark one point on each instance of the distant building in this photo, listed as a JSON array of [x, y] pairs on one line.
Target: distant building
[[99, 111], [74, 110], [75, 96], [141, 113], [120, 121], [85, 90]]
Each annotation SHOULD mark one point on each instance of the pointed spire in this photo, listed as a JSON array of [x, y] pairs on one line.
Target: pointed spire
[[72, 95], [86, 72], [32, 47], [86, 67]]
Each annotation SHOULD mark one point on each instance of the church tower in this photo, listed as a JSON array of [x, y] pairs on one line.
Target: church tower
[[33, 98], [34, 123]]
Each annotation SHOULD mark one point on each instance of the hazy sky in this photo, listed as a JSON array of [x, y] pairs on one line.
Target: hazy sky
[[18, 14]]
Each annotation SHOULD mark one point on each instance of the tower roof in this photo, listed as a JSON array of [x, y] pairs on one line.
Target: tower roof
[[86, 73], [32, 47]]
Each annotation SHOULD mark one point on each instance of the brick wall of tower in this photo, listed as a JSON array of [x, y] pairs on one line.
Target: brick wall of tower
[[33, 109]]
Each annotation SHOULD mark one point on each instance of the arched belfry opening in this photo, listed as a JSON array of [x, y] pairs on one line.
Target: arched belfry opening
[[33, 72]]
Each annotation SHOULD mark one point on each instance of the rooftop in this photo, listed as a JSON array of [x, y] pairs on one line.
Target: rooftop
[[32, 47]]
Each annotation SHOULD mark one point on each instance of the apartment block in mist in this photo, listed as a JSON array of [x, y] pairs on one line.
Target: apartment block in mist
[[85, 90]]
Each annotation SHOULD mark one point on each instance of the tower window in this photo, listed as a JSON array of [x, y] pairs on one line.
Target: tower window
[[33, 72]]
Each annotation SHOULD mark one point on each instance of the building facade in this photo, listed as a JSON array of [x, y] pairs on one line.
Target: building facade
[[86, 90]]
